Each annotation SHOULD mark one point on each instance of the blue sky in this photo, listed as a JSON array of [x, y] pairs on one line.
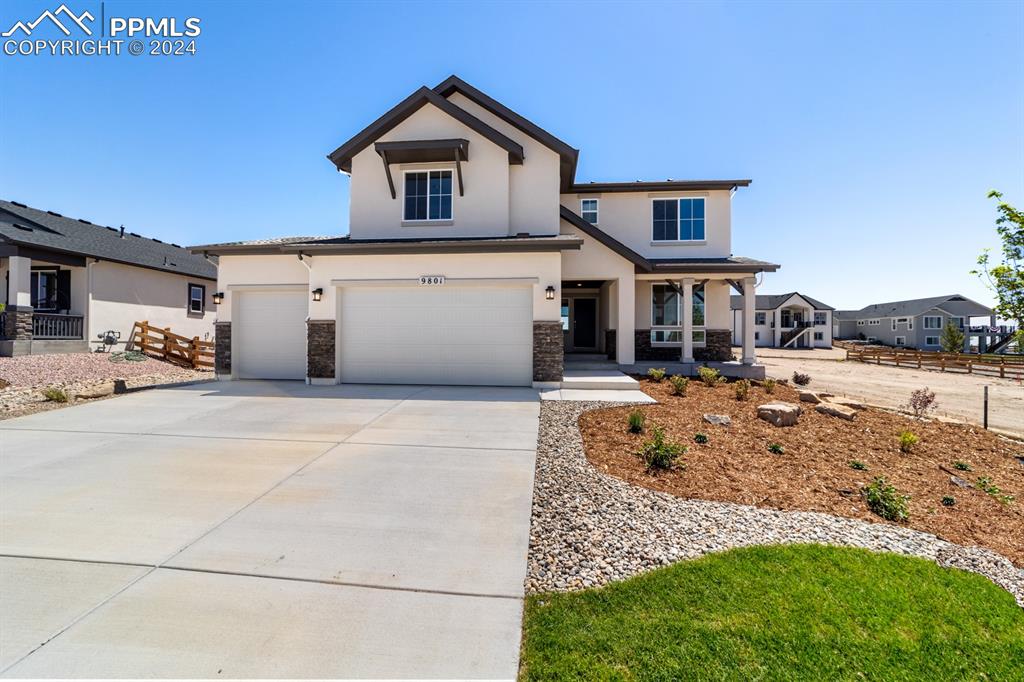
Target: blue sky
[[872, 131]]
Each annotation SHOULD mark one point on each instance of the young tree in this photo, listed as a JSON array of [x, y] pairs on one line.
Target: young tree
[[1007, 278], [951, 339]]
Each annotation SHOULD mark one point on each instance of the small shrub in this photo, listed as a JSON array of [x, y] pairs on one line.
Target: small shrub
[[742, 389], [885, 500], [679, 384], [986, 484], [659, 453], [636, 421], [921, 402], [907, 441], [710, 376], [948, 501], [700, 438], [801, 379], [776, 449], [769, 386], [961, 466], [55, 395], [858, 465], [656, 374]]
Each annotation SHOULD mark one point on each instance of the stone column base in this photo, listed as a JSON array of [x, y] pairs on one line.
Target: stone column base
[[222, 349], [320, 344], [548, 352]]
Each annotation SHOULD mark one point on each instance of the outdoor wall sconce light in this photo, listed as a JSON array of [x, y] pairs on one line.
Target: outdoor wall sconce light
[[549, 293], [318, 294], [218, 298]]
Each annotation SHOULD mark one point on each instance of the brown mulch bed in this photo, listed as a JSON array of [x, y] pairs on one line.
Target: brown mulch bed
[[814, 473]]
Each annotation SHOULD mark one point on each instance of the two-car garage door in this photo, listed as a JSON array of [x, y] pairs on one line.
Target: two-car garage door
[[445, 334]]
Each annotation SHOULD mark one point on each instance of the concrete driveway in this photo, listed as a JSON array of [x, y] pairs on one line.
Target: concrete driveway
[[268, 529]]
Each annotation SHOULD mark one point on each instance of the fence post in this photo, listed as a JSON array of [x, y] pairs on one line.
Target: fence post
[[1002, 368], [194, 354], [919, 359], [167, 331], [985, 420]]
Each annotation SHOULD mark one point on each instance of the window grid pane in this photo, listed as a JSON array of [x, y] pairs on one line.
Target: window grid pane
[[428, 195], [666, 220]]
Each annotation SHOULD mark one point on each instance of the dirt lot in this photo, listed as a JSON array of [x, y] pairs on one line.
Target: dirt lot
[[958, 395], [814, 472]]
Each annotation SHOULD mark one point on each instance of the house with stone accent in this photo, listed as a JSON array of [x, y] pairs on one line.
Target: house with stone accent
[[71, 285], [790, 320], [475, 256]]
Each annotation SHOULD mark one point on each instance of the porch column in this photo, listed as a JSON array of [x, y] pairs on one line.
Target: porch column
[[749, 355], [776, 329], [19, 286], [688, 319], [625, 335], [17, 330]]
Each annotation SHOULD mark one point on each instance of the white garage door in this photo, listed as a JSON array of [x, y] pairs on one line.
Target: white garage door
[[270, 335], [437, 335]]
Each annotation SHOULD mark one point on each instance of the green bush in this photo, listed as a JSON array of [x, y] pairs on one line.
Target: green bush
[[961, 466], [55, 395], [742, 389], [679, 384], [885, 500], [700, 438], [858, 465], [907, 441], [656, 374], [710, 376], [659, 453], [776, 449], [636, 421], [986, 484], [769, 386], [948, 501]]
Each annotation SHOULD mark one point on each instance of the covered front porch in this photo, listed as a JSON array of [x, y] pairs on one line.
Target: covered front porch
[[44, 304]]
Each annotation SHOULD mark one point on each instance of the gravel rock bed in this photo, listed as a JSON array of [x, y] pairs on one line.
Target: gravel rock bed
[[589, 529]]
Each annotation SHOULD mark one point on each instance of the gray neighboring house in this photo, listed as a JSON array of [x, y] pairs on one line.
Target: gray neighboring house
[[790, 320], [918, 323], [68, 282]]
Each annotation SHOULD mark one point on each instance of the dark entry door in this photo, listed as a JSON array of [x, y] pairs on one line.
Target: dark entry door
[[585, 323]]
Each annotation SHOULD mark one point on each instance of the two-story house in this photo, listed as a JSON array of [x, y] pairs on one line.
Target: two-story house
[[474, 257], [791, 320]]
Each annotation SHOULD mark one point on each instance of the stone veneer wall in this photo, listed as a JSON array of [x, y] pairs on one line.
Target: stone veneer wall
[[320, 340], [18, 323], [548, 351], [222, 348], [717, 346], [645, 352]]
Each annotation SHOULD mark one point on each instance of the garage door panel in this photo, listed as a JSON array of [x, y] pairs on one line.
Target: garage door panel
[[442, 335], [270, 332]]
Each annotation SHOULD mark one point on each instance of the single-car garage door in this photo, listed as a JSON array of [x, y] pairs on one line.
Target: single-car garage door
[[270, 335], [445, 334]]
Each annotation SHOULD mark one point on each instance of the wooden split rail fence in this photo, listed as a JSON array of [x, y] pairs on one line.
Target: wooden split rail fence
[[1006, 367], [161, 342]]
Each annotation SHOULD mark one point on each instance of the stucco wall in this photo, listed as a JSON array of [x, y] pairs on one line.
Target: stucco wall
[[483, 211], [244, 270], [628, 216], [122, 295]]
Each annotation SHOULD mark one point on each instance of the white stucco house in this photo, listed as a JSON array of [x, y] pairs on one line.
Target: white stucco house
[[70, 284], [790, 320], [475, 257]]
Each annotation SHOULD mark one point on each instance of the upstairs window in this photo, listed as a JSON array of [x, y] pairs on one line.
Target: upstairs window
[[196, 298], [428, 195], [678, 220], [819, 317], [933, 322], [588, 210], [760, 318]]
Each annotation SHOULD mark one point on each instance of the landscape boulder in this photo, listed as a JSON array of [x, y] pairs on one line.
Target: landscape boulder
[[848, 402], [97, 391], [719, 419], [809, 397], [779, 414], [836, 410]]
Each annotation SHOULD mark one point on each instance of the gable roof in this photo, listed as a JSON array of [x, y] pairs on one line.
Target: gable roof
[[569, 155], [773, 301], [342, 156], [911, 308], [312, 246], [46, 230], [615, 245]]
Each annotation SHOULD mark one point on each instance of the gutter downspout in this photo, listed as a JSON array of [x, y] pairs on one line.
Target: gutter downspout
[[309, 268]]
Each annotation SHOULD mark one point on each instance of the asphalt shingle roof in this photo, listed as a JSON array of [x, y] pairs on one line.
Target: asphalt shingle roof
[[20, 224], [773, 301], [909, 308]]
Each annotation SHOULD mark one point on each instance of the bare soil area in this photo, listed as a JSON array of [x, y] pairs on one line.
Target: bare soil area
[[958, 396], [814, 473]]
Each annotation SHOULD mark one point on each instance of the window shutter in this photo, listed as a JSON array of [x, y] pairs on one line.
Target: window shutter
[[64, 290]]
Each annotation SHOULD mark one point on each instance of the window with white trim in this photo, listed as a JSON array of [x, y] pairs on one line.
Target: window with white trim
[[819, 336], [820, 317], [667, 318], [931, 340], [933, 322], [860, 323], [589, 210], [428, 195], [958, 321], [677, 220], [757, 336], [196, 298], [874, 323], [901, 340], [760, 318]]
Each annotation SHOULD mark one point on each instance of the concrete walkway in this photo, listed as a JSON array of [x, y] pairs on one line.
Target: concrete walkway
[[268, 529]]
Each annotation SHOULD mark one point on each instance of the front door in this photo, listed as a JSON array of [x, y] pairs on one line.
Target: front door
[[584, 324]]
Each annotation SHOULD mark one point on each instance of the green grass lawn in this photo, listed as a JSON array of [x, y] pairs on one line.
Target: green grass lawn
[[802, 612]]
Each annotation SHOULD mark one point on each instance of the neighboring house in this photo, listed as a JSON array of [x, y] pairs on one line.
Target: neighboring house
[[785, 321], [918, 323], [68, 282], [474, 257]]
